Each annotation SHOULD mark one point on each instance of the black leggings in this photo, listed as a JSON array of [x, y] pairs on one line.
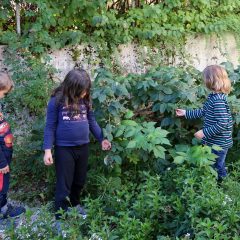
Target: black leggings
[[71, 171]]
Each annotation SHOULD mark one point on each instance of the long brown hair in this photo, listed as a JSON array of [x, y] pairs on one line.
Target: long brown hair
[[76, 82]]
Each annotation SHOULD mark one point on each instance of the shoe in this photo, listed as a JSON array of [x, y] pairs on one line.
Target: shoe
[[59, 229], [10, 211], [5, 224], [220, 181], [80, 210]]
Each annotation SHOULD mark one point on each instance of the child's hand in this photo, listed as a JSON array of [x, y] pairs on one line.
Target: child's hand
[[180, 112], [48, 159], [5, 170], [199, 134], [106, 145]]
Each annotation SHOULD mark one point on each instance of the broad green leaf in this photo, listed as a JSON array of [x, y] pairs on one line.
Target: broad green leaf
[[129, 114], [217, 148], [129, 123], [131, 144], [179, 160], [159, 152]]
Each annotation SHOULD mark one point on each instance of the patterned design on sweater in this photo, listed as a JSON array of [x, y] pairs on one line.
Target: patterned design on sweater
[[69, 114]]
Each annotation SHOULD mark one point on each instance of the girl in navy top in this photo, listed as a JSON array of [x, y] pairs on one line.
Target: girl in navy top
[[70, 118]]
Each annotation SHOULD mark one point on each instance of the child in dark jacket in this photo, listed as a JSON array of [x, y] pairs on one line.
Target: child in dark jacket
[[6, 150]]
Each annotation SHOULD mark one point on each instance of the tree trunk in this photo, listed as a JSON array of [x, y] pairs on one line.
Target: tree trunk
[[18, 20]]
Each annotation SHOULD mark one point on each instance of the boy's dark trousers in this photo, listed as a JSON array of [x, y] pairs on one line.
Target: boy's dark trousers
[[71, 171], [220, 163], [4, 178]]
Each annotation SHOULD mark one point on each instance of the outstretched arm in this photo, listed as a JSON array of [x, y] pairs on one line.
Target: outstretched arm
[[190, 114], [195, 113]]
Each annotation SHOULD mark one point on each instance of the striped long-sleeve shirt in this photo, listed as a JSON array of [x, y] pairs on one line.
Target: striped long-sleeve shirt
[[217, 125]]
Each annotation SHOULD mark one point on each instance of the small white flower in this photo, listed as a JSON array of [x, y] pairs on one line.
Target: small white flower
[[106, 160], [64, 234], [227, 198], [168, 168], [187, 235], [95, 237]]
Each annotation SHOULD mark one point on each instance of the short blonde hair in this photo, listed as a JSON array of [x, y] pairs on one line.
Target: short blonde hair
[[216, 79], [5, 81]]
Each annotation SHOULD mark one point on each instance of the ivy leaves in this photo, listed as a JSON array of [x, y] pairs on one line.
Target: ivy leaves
[[46, 23]]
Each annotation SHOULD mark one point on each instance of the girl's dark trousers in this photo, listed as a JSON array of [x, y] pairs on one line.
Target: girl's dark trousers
[[71, 170]]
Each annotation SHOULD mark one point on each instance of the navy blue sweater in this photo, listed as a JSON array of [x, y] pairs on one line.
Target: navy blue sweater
[[217, 126], [65, 127]]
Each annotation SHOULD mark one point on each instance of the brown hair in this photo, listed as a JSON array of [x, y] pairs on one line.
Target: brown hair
[[216, 79], [75, 83]]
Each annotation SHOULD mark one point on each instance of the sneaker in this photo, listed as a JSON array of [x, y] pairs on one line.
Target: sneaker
[[5, 224], [59, 229], [80, 210], [12, 211], [220, 181]]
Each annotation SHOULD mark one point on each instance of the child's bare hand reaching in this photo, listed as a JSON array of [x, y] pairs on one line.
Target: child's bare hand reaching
[[48, 159], [180, 112], [199, 134], [106, 145], [5, 170]]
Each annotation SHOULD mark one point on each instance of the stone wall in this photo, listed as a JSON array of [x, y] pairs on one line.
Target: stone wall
[[200, 51]]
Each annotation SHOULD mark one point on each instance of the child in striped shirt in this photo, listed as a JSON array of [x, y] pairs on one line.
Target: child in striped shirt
[[217, 125]]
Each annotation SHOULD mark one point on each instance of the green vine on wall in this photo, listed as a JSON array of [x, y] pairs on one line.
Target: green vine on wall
[[106, 24]]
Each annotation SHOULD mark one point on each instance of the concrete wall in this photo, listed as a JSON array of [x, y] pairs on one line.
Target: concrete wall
[[212, 50], [1, 56], [200, 50]]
